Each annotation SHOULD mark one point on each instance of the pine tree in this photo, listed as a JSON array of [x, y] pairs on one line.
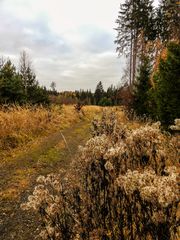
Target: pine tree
[[99, 93], [142, 86], [11, 86], [135, 29], [167, 80], [168, 21]]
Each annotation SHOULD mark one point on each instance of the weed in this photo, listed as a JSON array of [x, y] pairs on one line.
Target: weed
[[123, 185]]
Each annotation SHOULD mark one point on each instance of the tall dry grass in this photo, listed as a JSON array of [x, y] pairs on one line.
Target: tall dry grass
[[122, 185], [19, 125]]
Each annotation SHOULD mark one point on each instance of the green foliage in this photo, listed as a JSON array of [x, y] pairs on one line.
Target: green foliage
[[167, 93], [85, 97], [167, 21], [142, 86], [134, 18], [11, 86], [20, 87], [105, 102], [38, 95], [99, 93], [112, 95], [144, 30], [162, 102]]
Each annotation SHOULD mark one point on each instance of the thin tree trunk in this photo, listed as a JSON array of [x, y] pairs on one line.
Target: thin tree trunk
[[134, 60], [130, 64]]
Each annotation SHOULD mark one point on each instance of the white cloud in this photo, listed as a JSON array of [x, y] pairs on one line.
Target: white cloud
[[70, 41]]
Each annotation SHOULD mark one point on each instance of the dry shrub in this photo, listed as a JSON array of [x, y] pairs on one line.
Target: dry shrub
[[123, 185]]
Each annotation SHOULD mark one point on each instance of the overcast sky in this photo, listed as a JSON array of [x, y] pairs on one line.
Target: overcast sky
[[70, 42]]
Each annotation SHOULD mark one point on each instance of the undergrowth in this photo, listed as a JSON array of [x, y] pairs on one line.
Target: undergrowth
[[122, 185]]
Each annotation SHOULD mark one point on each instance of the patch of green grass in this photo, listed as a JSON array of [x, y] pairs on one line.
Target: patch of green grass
[[51, 156]]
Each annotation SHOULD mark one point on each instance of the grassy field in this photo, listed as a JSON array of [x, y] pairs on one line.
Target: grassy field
[[39, 141], [20, 126], [46, 141]]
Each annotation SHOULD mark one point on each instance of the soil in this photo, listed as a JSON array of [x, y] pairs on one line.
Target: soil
[[18, 178]]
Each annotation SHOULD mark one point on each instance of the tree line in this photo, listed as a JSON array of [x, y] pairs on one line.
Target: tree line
[[20, 86], [149, 37], [113, 96]]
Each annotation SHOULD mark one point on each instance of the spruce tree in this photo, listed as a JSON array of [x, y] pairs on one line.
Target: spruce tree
[[167, 80], [135, 28], [142, 86], [168, 21], [11, 86], [99, 93]]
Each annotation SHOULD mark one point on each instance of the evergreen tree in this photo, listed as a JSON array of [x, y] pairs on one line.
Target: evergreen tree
[[168, 21], [135, 29], [33, 92], [142, 87], [11, 86], [105, 102], [167, 80], [99, 93], [39, 95], [111, 95]]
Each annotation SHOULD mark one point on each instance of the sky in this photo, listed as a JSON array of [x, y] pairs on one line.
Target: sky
[[70, 42]]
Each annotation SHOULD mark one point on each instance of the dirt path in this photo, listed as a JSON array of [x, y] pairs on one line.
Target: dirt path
[[18, 178]]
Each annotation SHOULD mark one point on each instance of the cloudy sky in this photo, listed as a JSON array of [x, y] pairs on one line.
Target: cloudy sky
[[70, 42]]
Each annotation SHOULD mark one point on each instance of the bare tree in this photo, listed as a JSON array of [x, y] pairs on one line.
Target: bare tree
[[26, 71], [53, 86]]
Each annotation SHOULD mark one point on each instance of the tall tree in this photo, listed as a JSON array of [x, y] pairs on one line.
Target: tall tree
[[168, 21], [11, 86], [99, 92], [26, 73], [135, 29], [142, 87], [167, 86], [33, 92]]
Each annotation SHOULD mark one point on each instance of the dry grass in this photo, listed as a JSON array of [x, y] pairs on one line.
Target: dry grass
[[122, 117], [20, 125], [19, 182], [123, 184]]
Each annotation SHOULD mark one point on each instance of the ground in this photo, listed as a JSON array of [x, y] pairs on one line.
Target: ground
[[18, 176]]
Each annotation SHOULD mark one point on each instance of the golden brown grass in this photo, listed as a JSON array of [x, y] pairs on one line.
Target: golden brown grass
[[22, 133], [20, 125], [121, 185]]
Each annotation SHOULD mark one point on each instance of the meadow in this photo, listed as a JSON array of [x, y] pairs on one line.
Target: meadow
[[122, 184], [35, 141], [22, 125], [91, 173]]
